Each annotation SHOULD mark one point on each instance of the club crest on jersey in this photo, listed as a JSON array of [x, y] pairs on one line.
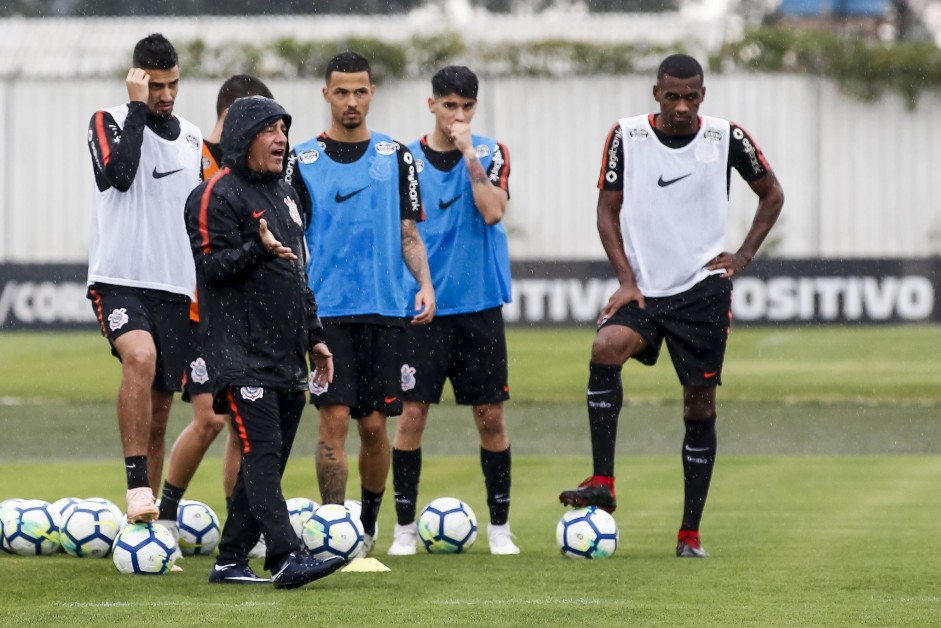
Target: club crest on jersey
[[314, 387], [198, 371], [251, 393], [419, 165], [292, 209], [192, 140], [408, 377], [638, 135], [380, 169], [385, 148], [712, 136], [482, 150], [308, 156], [118, 318]]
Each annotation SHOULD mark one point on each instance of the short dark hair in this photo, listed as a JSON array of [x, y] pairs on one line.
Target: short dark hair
[[348, 62], [680, 66], [240, 86], [155, 52], [455, 79]]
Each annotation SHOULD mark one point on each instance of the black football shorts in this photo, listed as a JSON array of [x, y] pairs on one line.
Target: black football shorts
[[468, 349], [695, 325], [366, 361], [165, 316], [197, 378]]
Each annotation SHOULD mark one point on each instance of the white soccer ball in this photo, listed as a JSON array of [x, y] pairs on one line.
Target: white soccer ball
[[4, 506], [30, 528], [63, 507], [114, 508], [447, 526], [199, 528], [91, 528], [333, 531], [300, 509], [144, 549], [587, 533]]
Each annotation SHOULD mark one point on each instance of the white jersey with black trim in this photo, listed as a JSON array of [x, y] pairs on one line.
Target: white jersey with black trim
[[138, 237], [673, 216]]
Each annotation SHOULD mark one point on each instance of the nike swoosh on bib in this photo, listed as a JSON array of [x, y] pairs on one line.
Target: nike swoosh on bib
[[342, 198], [446, 204], [160, 175], [663, 183]]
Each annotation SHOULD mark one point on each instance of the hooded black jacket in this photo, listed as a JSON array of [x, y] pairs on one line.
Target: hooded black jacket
[[259, 315]]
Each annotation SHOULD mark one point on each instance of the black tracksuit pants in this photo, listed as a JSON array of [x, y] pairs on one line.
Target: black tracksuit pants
[[265, 421]]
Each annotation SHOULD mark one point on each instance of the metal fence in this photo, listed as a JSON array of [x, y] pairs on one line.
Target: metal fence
[[857, 176]]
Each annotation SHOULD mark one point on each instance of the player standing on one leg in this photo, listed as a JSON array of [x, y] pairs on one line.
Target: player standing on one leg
[[360, 190], [662, 218], [464, 181], [140, 269], [191, 445]]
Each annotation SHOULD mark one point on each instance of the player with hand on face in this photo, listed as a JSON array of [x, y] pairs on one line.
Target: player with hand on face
[[662, 210], [464, 181]]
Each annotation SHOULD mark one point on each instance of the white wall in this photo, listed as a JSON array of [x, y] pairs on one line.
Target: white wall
[[857, 176]]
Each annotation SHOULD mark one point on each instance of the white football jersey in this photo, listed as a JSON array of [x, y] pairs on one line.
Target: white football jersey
[[673, 216], [138, 237]]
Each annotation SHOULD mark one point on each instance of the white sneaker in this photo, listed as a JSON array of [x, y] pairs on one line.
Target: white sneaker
[[174, 530], [369, 542], [501, 540], [404, 540]]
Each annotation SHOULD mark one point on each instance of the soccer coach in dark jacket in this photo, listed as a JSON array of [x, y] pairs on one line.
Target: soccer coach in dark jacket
[[261, 320]]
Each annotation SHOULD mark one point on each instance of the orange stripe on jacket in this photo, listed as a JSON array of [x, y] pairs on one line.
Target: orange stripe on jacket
[[102, 137], [204, 209]]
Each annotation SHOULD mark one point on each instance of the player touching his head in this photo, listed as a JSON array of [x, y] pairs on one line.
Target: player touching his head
[[465, 189], [662, 208], [140, 270]]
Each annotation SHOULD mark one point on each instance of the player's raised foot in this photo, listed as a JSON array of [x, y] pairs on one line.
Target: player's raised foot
[[404, 540], [141, 506], [300, 567], [233, 573], [688, 545], [501, 540], [595, 491], [174, 530]]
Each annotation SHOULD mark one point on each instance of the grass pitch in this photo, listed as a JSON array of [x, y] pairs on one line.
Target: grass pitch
[[823, 511]]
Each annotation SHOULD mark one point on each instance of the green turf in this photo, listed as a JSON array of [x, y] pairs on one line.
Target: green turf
[[796, 541]]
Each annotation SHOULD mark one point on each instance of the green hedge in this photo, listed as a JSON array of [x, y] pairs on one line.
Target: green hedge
[[863, 68]]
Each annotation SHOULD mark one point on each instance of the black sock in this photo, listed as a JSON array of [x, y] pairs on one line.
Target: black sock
[[699, 456], [136, 469], [605, 396], [406, 472], [170, 501], [370, 512], [496, 468]]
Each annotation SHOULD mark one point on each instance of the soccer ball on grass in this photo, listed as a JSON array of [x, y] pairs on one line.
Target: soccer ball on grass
[[587, 533], [144, 549], [447, 526], [91, 528], [199, 528], [30, 528], [333, 531]]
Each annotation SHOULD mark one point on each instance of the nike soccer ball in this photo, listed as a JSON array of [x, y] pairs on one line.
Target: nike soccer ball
[[333, 531], [63, 507], [199, 528], [91, 528], [30, 528], [300, 509], [587, 533], [144, 549], [447, 526], [5, 505]]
